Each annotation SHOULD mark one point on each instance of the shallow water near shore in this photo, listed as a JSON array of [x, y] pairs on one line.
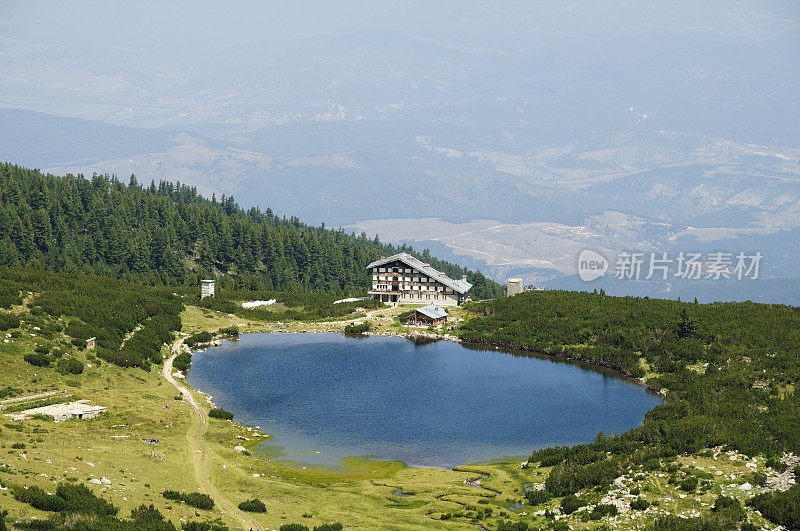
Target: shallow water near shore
[[324, 397]]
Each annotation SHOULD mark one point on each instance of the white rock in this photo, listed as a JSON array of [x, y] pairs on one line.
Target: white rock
[[105, 481], [95, 481], [240, 448], [745, 486]]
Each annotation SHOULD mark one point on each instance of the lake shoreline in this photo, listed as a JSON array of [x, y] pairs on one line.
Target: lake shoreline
[[414, 336], [415, 463]]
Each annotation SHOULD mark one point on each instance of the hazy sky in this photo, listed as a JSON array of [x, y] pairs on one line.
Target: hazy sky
[[184, 26]]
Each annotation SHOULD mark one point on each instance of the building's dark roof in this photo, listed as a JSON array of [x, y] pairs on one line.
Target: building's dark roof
[[461, 286]]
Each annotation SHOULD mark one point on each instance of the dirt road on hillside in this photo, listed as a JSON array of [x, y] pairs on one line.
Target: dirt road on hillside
[[198, 448]]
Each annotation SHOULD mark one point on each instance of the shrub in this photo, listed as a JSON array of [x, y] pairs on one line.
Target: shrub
[[640, 504], [356, 329], [18, 446], [202, 526], [232, 331], [193, 499], [8, 321], [70, 365], [689, 484], [329, 527], [253, 506], [294, 527], [182, 361], [80, 343], [675, 523], [80, 499], [68, 498], [219, 413], [574, 474], [728, 510], [145, 517], [196, 339], [538, 497], [505, 525], [43, 348], [37, 359], [758, 478], [603, 509], [38, 499], [198, 500], [776, 464], [571, 503]]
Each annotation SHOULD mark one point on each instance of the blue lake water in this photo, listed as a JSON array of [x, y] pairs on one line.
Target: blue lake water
[[324, 397]]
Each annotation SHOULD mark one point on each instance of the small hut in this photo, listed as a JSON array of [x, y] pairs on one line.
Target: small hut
[[90, 343], [206, 288], [514, 287], [430, 315]]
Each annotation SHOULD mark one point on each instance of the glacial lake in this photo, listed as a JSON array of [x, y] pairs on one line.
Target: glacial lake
[[324, 397]]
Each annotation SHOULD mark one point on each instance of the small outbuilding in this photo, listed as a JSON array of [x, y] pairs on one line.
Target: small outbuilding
[[206, 288], [430, 315], [90, 343], [514, 287], [58, 412]]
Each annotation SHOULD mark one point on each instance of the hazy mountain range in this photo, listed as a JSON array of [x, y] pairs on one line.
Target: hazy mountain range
[[509, 135]]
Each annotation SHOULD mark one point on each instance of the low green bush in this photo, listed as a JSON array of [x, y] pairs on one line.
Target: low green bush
[[776, 464], [640, 504], [329, 527], [356, 329], [193, 499], [219, 413], [689, 484], [200, 337], [603, 509], [70, 365], [67, 499], [38, 359], [506, 525], [8, 321], [538, 497], [182, 361], [758, 478], [253, 506], [294, 527], [571, 503]]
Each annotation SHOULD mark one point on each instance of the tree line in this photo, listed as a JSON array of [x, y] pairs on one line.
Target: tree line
[[169, 234]]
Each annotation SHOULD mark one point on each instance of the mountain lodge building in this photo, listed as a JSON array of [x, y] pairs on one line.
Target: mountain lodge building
[[404, 279]]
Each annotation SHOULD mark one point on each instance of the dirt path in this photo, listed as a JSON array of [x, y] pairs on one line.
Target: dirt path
[[198, 448]]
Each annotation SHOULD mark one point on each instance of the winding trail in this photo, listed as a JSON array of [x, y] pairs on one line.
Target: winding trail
[[198, 448]]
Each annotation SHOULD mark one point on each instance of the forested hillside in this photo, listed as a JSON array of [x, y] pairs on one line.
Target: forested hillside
[[131, 322], [729, 371], [169, 234]]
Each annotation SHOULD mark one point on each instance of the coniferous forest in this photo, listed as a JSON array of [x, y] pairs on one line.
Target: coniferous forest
[[728, 371], [168, 234]]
